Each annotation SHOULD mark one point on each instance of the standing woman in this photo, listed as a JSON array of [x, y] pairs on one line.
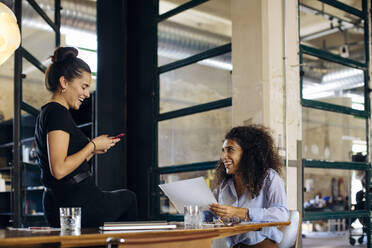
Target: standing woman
[[64, 151], [250, 186]]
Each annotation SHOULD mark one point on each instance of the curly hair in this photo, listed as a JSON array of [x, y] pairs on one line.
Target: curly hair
[[259, 155]]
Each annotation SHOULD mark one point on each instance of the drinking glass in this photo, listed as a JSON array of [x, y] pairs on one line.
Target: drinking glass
[[70, 218], [192, 216]]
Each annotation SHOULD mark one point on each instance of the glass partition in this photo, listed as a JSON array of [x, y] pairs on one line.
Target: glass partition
[[333, 190], [195, 30], [38, 38], [330, 82], [196, 84], [47, 7], [332, 136], [193, 138], [34, 91], [6, 89]]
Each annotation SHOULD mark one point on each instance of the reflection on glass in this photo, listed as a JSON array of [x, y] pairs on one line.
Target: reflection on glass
[[195, 84], [193, 138], [332, 136], [332, 83], [333, 190], [195, 30], [166, 207], [333, 30], [38, 38], [34, 92]]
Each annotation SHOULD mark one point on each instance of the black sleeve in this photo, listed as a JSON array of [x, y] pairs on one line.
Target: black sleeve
[[59, 118]]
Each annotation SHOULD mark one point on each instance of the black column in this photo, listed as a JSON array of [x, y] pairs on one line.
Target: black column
[[142, 66], [127, 64], [111, 91]]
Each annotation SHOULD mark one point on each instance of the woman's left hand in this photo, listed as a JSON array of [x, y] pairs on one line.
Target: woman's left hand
[[228, 211]]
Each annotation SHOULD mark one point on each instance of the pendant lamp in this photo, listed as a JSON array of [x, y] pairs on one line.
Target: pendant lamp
[[10, 36]]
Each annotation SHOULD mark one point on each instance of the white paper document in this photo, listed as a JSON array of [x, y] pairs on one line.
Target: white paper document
[[193, 191]]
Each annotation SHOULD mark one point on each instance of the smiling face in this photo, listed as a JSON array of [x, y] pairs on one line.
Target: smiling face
[[76, 90], [231, 155]]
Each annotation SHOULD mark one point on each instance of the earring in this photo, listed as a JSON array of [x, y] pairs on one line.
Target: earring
[[63, 90]]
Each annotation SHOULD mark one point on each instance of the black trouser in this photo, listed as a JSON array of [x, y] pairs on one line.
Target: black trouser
[[97, 206], [266, 243]]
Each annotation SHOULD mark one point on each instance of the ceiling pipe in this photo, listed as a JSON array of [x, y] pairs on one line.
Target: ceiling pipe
[[175, 40]]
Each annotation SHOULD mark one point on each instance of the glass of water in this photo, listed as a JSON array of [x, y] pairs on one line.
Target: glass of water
[[70, 218], [192, 216]]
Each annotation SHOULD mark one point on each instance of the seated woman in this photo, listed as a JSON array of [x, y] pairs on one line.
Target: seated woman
[[64, 151], [250, 186]]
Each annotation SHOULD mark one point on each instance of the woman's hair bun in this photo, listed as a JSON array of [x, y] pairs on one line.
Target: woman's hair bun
[[63, 53]]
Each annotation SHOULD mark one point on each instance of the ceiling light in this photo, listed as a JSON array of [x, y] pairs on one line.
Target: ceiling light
[[10, 36]]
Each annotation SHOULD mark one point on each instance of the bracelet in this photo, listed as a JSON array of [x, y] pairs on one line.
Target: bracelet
[[94, 145]]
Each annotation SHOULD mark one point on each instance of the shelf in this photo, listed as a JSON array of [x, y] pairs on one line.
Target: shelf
[[34, 188], [6, 214], [10, 144], [5, 169], [6, 145], [30, 164], [27, 139], [85, 125], [34, 215]]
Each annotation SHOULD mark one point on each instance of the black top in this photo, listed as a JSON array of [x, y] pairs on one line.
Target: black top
[[54, 116]]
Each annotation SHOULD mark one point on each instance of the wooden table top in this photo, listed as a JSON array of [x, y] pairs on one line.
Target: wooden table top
[[93, 236]]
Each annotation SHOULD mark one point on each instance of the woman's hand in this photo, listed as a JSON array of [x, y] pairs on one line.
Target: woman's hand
[[228, 211], [103, 143]]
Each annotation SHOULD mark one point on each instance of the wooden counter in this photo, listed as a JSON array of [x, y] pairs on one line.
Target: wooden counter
[[177, 238]]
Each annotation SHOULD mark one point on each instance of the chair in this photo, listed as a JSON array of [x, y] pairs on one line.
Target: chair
[[291, 232]]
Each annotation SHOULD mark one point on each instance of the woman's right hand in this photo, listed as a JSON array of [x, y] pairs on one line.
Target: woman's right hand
[[104, 143]]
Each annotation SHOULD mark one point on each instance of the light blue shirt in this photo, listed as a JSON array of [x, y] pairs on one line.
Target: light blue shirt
[[269, 206]]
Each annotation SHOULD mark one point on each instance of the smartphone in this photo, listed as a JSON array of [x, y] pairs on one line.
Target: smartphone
[[119, 136]]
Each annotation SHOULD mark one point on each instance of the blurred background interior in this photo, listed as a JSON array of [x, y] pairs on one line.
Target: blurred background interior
[[333, 68]]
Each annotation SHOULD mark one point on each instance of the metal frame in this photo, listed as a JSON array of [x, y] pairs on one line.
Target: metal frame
[[32, 60], [344, 7], [308, 215], [335, 165], [365, 114], [196, 58], [196, 109], [333, 57], [16, 199], [16, 204], [154, 174], [188, 167], [334, 108]]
